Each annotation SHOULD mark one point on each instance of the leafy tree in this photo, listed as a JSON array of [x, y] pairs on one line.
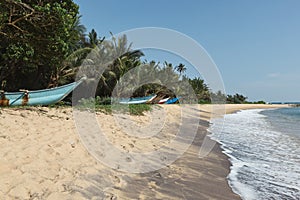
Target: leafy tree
[[200, 89], [36, 37], [218, 97], [236, 99]]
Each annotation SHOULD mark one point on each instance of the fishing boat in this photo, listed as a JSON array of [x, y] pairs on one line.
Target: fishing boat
[[163, 100], [37, 97], [172, 101], [137, 100]]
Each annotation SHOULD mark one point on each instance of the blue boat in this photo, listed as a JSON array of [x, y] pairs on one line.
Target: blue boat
[[138, 100], [172, 101], [37, 97]]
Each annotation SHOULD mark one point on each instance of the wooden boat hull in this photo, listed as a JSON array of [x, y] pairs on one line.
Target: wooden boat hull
[[163, 100], [172, 101], [140, 100], [37, 97]]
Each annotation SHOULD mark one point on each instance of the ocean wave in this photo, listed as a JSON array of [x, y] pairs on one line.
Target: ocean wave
[[265, 160]]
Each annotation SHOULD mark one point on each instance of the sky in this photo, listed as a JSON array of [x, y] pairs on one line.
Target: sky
[[255, 44]]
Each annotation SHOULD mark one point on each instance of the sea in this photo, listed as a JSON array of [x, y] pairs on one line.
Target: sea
[[264, 149]]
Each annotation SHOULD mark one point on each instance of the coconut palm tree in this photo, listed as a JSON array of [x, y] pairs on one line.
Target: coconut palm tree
[[65, 72], [122, 60], [93, 39], [77, 34], [168, 65], [180, 68]]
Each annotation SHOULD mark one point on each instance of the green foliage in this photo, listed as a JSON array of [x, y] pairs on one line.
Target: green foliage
[[236, 99], [260, 102], [200, 89], [36, 37], [257, 102], [218, 98], [104, 105], [113, 59], [139, 109], [43, 44]]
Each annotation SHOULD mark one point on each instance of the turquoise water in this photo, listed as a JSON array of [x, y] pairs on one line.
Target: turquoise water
[[264, 148]]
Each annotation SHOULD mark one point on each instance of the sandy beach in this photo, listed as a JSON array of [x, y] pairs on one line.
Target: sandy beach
[[42, 157]]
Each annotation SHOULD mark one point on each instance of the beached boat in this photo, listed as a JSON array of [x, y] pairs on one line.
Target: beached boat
[[172, 101], [138, 100], [37, 97], [163, 100]]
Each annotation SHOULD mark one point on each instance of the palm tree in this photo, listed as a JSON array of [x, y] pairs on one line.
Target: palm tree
[[77, 34], [180, 68], [168, 65], [66, 71], [123, 59], [93, 39], [200, 89]]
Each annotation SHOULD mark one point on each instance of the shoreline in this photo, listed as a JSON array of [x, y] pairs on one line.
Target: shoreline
[[234, 108], [41, 156]]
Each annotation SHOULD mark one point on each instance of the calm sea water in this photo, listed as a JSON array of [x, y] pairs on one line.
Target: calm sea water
[[264, 149]]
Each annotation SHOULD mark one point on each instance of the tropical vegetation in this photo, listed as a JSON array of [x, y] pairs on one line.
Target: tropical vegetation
[[44, 44], [36, 37]]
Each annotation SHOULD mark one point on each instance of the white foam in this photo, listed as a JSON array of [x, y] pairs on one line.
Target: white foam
[[264, 161], [245, 191]]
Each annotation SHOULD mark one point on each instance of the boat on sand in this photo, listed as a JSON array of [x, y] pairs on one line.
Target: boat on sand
[[37, 97], [138, 100]]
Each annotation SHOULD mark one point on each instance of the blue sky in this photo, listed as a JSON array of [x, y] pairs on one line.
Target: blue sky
[[255, 44]]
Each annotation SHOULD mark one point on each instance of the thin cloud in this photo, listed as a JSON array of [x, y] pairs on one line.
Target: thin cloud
[[273, 75]]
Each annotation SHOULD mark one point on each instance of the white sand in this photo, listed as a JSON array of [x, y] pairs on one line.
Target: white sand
[[42, 157]]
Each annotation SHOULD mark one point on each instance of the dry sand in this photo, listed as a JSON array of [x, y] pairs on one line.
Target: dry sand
[[42, 157]]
